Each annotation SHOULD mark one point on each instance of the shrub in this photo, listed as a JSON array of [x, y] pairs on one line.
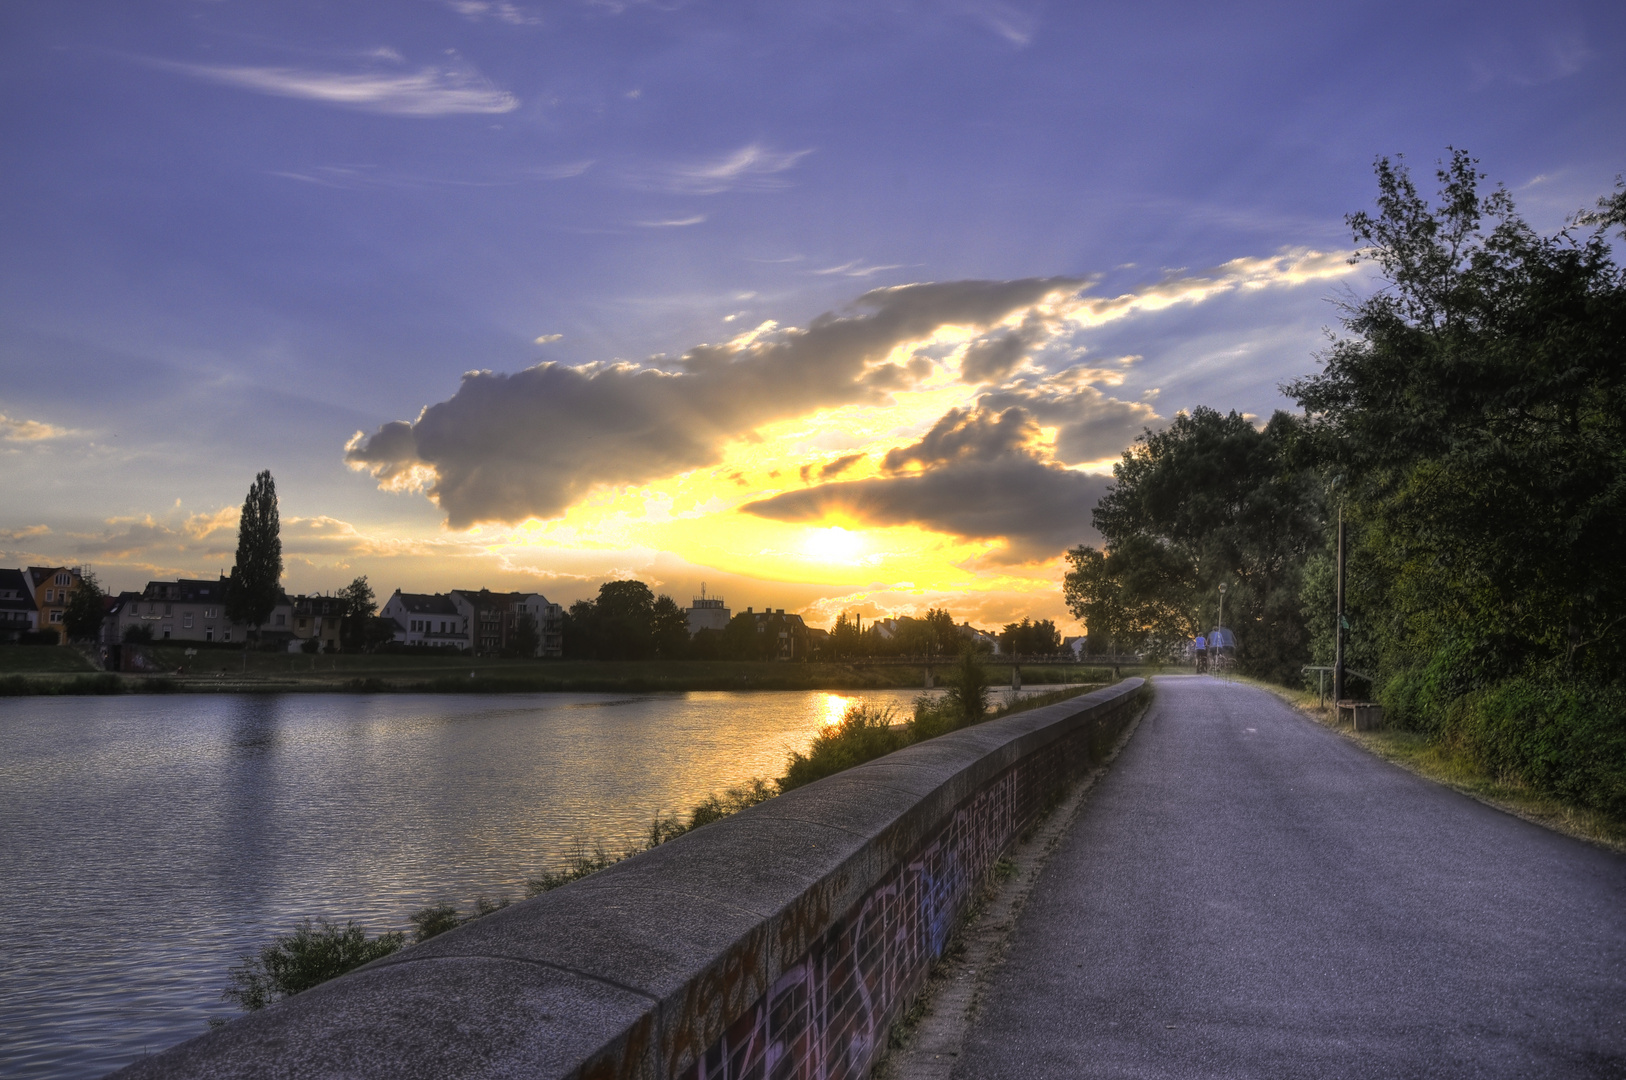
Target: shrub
[[865, 733], [312, 954]]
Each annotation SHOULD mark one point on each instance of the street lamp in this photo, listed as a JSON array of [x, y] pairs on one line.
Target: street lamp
[[1222, 606]]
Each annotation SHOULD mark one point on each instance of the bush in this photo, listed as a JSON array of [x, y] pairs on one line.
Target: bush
[[1565, 738], [312, 954], [965, 702], [138, 635], [865, 733]]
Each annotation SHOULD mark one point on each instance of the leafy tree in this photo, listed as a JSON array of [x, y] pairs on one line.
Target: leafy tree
[[1029, 638], [625, 622], [1477, 414], [85, 611], [1210, 500], [359, 607], [845, 638], [670, 628], [256, 579], [525, 639]]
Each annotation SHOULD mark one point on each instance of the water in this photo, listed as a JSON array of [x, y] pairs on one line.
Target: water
[[146, 843]]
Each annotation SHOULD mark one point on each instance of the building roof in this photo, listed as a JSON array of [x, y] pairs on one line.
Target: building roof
[[38, 574], [426, 603], [188, 591], [16, 591]]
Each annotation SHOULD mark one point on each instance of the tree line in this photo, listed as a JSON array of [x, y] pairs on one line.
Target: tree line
[[1468, 427]]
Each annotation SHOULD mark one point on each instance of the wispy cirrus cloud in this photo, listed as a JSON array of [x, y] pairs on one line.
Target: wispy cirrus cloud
[[753, 167], [672, 223], [857, 268], [496, 10], [425, 93]]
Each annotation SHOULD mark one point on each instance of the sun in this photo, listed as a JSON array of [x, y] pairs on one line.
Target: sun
[[833, 545]]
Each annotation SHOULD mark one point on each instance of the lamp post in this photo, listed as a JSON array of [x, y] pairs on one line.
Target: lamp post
[[1222, 606]]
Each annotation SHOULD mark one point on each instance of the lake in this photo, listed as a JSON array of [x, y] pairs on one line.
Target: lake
[[147, 842]]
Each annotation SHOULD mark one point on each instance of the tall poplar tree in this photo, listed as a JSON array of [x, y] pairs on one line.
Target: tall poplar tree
[[256, 579]]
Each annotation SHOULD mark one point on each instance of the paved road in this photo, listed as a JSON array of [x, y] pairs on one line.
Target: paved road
[[1247, 894]]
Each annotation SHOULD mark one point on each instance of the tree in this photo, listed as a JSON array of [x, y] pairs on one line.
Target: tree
[[1210, 500], [359, 607], [256, 579], [669, 626], [526, 639], [1476, 415], [85, 611]]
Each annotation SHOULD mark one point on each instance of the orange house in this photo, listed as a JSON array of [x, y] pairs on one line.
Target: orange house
[[51, 585]]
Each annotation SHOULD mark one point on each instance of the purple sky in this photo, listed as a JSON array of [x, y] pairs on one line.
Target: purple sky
[[236, 234]]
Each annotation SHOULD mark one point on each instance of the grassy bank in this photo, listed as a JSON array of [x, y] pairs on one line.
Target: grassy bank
[[226, 670], [1451, 766]]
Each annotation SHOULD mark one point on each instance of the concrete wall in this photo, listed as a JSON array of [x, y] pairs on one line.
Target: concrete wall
[[780, 942]]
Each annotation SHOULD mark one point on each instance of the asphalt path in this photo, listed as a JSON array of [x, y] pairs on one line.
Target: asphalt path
[[1247, 894]]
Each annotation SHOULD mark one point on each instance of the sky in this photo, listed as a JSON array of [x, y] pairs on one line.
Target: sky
[[831, 306]]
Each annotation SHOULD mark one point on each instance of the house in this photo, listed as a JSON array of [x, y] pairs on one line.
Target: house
[[493, 618], [320, 619], [18, 613], [429, 620], [795, 642], [194, 609], [1078, 646], [112, 618], [706, 613], [49, 587]]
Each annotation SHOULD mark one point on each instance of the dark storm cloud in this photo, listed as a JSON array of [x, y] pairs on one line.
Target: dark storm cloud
[[968, 435], [1040, 510], [1089, 424], [508, 447], [983, 480], [992, 357], [838, 466]]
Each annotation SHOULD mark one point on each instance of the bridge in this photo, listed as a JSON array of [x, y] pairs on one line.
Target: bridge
[[1244, 893]]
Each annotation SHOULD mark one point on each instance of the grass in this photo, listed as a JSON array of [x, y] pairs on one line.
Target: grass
[[42, 660], [1417, 753]]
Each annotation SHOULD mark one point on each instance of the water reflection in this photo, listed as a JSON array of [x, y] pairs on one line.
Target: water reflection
[[145, 843]]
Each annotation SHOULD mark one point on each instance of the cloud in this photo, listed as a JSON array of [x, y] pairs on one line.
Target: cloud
[[506, 447], [753, 167], [1011, 23], [1089, 424], [839, 466], [856, 268], [992, 357], [428, 92], [28, 431], [509, 447], [977, 474], [548, 339], [672, 223], [1039, 510], [500, 10]]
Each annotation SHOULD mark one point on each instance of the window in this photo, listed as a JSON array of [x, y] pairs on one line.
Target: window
[[282, 620], [50, 595], [56, 616], [186, 621], [63, 579], [226, 636], [166, 633], [208, 635], [168, 609]]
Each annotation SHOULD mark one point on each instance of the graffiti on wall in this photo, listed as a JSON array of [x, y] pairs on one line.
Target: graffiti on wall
[[827, 1015], [812, 993]]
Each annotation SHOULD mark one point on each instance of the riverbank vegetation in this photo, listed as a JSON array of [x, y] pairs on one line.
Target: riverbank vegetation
[[317, 951], [54, 670], [1470, 428]]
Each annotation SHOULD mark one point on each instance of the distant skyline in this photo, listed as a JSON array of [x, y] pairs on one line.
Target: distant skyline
[[839, 306]]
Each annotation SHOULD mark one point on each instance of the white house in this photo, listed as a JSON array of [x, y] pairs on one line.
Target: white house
[[428, 619]]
